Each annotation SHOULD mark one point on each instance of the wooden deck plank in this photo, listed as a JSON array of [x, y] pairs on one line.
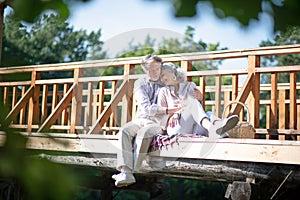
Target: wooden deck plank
[[229, 149], [248, 150]]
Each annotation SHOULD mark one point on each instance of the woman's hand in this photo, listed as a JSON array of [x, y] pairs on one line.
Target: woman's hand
[[197, 94], [174, 120], [172, 110]]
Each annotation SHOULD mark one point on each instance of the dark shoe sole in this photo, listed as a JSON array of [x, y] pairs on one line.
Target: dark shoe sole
[[230, 124], [224, 135]]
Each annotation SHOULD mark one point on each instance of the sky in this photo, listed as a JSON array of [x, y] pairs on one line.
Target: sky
[[131, 20]]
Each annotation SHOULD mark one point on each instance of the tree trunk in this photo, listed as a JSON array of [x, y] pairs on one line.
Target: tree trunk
[[2, 7]]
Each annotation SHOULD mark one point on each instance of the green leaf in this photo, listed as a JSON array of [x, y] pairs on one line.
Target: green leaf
[[243, 11], [29, 10]]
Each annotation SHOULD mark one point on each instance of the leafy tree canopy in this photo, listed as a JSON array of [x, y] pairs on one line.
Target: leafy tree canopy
[[29, 10], [291, 35], [49, 40], [284, 13]]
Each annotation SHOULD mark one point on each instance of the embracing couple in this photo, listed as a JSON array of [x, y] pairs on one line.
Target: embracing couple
[[166, 102]]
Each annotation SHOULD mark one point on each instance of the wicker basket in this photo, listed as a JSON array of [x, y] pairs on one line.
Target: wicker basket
[[244, 129]]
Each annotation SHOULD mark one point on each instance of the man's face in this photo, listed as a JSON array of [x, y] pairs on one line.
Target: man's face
[[153, 70]]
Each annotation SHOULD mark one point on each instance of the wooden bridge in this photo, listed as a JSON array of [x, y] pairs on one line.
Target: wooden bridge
[[77, 103]]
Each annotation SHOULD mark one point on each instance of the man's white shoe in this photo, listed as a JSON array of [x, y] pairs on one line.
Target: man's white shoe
[[123, 179], [222, 126], [115, 176]]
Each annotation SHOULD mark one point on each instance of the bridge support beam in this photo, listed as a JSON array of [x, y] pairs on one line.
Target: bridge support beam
[[238, 190]]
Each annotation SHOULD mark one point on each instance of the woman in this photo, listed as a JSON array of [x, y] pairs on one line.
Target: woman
[[192, 117]]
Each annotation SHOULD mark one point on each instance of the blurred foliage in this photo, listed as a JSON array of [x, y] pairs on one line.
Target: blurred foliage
[[195, 189], [283, 13], [130, 195], [29, 10], [49, 40], [291, 35], [38, 178]]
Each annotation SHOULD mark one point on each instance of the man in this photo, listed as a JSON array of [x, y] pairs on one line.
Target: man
[[139, 132]]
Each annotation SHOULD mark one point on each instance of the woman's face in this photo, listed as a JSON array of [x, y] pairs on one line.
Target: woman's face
[[168, 78]]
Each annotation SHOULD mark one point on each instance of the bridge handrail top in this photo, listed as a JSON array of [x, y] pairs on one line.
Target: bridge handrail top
[[208, 55]]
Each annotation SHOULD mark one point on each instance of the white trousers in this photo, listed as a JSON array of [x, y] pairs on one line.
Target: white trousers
[[191, 116]]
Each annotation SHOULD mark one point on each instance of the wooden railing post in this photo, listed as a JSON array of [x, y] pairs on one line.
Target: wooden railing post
[[101, 98], [253, 98], [23, 110], [64, 115], [187, 66], [33, 108], [114, 111], [298, 119], [293, 101], [89, 106], [235, 86], [127, 101], [202, 89], [76, 108], [218, 96], [274, 93], [282, 109]]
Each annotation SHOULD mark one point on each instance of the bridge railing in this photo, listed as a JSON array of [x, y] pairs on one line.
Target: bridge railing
[[78, 97]]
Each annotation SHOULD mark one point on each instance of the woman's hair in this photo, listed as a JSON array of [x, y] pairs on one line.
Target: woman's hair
[[178, 72], [148, 59]]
